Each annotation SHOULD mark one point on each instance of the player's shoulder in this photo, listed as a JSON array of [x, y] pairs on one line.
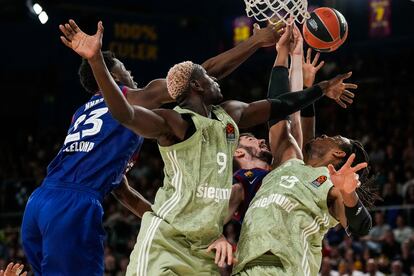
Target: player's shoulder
[[291, 163]]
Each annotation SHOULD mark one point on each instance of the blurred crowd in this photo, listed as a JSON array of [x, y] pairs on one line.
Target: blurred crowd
[[382, 118]]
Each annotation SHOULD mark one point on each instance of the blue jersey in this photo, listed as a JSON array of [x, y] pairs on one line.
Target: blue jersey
[[251, 180], [96, 150]]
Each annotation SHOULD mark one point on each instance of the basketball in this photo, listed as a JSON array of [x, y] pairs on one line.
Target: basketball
[[326, 29]]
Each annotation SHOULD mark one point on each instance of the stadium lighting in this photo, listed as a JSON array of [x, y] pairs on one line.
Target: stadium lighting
[[37, 8], [43, 17]]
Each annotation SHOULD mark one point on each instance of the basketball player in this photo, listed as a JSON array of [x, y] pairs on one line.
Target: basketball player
[[299, 200], [197, 141], [62, 229], [248, 178]]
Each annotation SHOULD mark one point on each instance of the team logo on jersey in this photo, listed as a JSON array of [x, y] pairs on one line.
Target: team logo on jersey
[[230, 132], [248, 174], [319, 181]]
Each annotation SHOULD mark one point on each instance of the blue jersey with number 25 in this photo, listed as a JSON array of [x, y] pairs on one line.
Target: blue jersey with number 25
[[96, 150]]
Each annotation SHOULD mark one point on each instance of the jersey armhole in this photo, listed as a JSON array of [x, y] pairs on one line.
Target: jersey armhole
[[191, 126]]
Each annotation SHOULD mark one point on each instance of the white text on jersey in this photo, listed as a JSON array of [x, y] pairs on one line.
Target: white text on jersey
[[79, 147], [93, 103], [278, 199], [217, 194]]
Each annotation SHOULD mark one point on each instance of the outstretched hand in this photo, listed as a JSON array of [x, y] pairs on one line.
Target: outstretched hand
[[284, 43], [337, 90], [311, 67], [346, 179], [224, 251], [87, 46], [13, 270], [269, 35]]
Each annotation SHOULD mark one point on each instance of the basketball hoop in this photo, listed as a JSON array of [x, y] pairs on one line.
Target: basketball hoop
[[275, 10]]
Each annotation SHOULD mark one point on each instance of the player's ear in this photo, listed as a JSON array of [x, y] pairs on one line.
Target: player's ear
[[115, 77], [239, 153], [339, 154], [196, 86]]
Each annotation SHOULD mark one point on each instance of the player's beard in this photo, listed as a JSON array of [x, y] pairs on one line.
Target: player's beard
[[265, 156]]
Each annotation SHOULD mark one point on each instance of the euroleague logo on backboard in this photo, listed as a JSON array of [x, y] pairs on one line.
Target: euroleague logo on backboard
[[230, 132]]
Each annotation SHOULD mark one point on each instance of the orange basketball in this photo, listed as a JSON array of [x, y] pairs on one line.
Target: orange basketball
[[325, 30]]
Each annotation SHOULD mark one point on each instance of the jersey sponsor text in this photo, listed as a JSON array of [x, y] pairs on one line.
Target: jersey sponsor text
[[278, 199], [217, 194]]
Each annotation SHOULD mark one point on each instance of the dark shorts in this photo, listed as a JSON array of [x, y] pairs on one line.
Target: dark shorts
[[62, 231]]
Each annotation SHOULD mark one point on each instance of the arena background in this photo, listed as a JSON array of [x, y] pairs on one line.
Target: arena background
[[40, 91]]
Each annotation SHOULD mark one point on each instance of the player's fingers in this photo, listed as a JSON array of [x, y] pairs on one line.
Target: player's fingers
[[341, 103], [316, 58], [9, 266], [24, 273], [64, 31], [360, 166], [349, 101], [211, 247], [348, 94], [74, 26], [308, 55], [351, 86], [289, 29], [218, 254], [350, 160], [66, 42], [20, 269], [100, 30], [256, 27], [14, 267], [346, 76], [69, 29], [223, 255], [331, 169], [279, 25], [320, 65], [229, 254]]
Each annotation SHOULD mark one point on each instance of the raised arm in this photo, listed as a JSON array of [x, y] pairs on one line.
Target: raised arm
[[285, 137], [223, 64], [296, 81], [150, 124], [155, 93], [308, 113], [131, 199], [259, 112]]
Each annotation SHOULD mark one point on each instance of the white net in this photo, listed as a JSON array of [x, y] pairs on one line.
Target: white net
[[275, 10]]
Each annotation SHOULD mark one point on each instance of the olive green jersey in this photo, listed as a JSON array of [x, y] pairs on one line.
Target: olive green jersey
[[288, 217], [198, 178]]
